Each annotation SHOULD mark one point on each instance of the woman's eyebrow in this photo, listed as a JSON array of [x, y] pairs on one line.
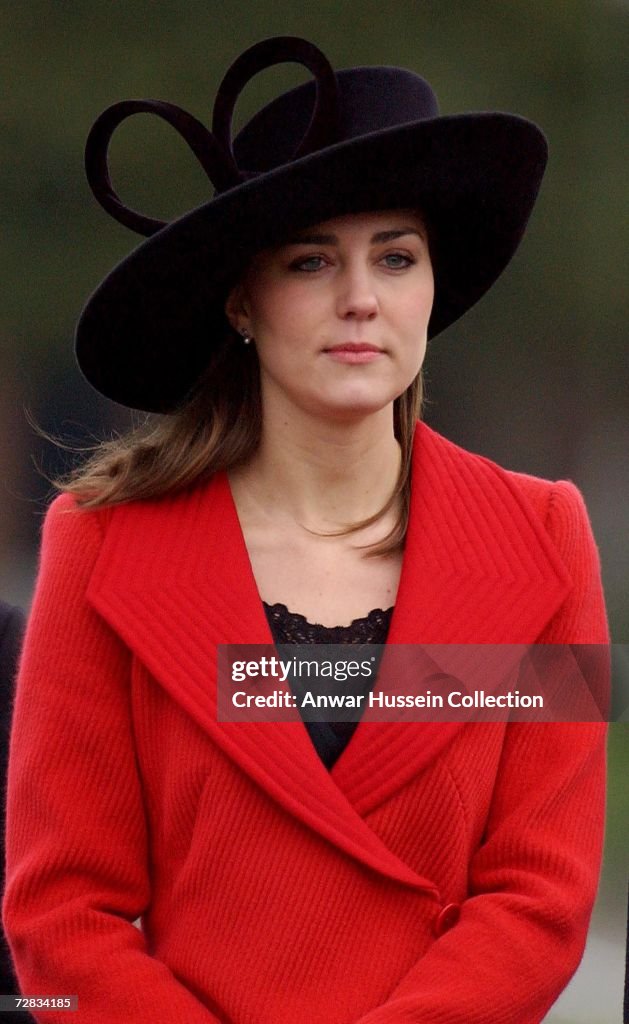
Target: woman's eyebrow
[[380, 236]]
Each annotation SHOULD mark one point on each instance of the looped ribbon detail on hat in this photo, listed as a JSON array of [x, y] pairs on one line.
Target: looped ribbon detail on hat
[[213, 148]]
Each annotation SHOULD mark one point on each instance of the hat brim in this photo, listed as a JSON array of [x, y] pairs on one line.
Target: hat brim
[[145, 334]]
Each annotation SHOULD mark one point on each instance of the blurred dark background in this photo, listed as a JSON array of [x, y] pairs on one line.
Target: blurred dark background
[[535, 377]]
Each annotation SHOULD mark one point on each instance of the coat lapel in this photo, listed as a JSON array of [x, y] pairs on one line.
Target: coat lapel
[[174, 580], [478, 569]]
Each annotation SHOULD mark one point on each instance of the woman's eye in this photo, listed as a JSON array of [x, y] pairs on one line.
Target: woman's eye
[[397, 260], [310, 263], [393, 260]]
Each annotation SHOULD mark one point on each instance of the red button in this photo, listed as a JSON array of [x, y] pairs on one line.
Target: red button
[[446, 918]]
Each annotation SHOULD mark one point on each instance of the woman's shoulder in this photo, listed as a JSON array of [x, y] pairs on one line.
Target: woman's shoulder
[[71, 538], [556, 509], [555, 502], [68, 512], [560, 504], [77, 529], [536, 490], [67, 516], [561, 507], [558, 512]]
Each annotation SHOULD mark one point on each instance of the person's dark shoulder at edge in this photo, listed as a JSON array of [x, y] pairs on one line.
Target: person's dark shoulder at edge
[[12, 622], [11, 631]]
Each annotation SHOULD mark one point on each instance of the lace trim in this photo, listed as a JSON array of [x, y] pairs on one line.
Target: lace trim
[[291, 627]]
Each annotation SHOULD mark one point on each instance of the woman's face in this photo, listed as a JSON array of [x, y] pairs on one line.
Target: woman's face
[[339, 314]]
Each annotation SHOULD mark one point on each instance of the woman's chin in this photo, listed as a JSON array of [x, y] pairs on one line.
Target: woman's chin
[[352, 409]]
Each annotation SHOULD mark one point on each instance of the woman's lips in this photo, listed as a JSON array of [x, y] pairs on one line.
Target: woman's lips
[[354, 352]]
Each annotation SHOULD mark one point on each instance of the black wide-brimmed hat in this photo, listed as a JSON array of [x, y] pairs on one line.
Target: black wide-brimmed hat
[[360, 139]]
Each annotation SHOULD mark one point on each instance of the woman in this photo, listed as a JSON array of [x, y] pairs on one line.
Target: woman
[[433, 872]]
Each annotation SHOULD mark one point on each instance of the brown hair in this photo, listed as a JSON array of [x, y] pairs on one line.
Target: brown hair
[[217, 428]]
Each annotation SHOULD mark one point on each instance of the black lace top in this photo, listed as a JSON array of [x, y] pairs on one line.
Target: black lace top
[[329, 738]]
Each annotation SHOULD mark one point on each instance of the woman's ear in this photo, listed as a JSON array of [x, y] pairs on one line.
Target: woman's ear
[[236, 309]]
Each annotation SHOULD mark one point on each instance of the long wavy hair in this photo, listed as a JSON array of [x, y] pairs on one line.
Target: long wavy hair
[[218, 427]]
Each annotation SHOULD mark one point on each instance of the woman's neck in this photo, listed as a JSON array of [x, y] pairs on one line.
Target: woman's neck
[[322, 476]]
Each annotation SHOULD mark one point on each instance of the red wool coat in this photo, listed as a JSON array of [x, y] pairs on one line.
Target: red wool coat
[[441, 873]]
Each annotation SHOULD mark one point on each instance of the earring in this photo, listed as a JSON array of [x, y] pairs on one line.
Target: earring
[[246, 337]]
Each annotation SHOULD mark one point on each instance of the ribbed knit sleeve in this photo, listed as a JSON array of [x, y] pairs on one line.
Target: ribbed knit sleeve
[[533, 879], [77, 871]]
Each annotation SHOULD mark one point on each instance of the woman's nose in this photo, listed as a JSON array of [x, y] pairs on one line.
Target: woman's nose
[[357, 296]]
